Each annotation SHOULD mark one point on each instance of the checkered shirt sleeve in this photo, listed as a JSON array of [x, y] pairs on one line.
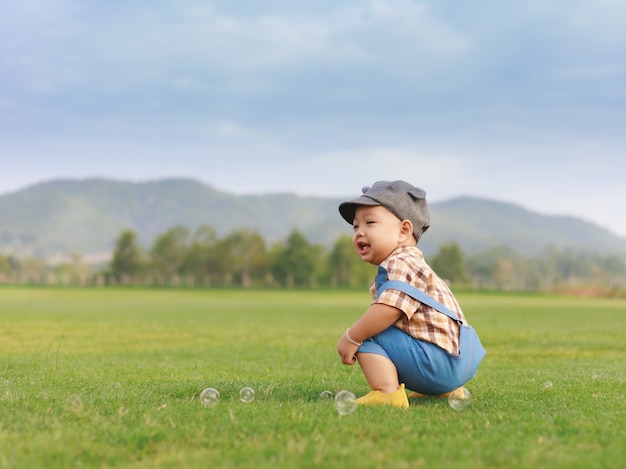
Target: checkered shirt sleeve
[[407, 264]]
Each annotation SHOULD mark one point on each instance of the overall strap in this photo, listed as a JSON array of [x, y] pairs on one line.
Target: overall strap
[[382, 284]]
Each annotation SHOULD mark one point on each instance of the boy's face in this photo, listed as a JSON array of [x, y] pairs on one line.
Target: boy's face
[[377, 233]]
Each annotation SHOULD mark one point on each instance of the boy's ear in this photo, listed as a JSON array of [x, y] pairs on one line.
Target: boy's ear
[[406, 229]]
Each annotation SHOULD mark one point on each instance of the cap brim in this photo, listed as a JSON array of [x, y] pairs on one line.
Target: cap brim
[[348, 209]]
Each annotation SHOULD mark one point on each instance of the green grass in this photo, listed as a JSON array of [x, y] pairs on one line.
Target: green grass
[[111, 378]]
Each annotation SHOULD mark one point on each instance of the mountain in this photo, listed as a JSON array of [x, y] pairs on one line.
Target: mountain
[[86, 216], [478, 224], [61, 217]]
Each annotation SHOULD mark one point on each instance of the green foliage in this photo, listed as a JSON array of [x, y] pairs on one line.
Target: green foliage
[[169, 250], [244, 253], [503, 268], [198, 258], [111, 378], [5, 265], [242, 258], [127, 258], [449, 263], [296, 264], [345, 268]]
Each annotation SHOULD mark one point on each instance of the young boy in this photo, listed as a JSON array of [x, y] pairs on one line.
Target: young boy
[[399, 340]]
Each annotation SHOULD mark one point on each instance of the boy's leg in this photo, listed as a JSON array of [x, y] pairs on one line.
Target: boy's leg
[[382, 376], [380, 372], [398, 357]]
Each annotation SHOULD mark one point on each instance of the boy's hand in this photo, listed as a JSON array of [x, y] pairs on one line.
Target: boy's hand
[[347, 351]]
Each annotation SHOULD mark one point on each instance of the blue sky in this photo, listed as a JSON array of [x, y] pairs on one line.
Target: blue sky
[[521, 102]]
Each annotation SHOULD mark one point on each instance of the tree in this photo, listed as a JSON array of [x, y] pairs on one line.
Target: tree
[[449, 263], [501, 267], [295, 264], [127, 256], [245, 250], [341, 261], [169, 250], [5, 265], [197, 260], [504, 274], [345, 266]]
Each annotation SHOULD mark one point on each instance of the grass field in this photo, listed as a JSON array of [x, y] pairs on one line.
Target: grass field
[[112, 377]]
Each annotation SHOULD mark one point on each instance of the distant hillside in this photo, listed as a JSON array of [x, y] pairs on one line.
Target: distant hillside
[[478, 224], [85, 216]]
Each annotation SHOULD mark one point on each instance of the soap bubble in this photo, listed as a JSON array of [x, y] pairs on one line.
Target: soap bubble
[[460, 400], [345, 402], [75, 402], [246, 395], [210, 397], [326, 396]]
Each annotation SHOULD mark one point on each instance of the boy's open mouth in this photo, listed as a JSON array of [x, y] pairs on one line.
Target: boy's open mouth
[[363, 248]]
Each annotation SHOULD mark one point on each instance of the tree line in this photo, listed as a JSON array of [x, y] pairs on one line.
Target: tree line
[[243, 258]]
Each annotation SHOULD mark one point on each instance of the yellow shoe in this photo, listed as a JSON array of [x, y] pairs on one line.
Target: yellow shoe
[[396, 399], [458, 392]]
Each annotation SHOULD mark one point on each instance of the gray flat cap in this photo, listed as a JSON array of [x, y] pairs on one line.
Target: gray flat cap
[[404, 200]]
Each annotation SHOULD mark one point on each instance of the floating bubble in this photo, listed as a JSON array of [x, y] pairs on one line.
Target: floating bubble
[[75, 400], [345, 402], [75, 404], [210, 397], [246, 395], [326, 396], [548, 384], [460, 400]]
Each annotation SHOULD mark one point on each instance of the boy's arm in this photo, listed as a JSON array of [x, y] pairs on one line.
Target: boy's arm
[[377, 318]]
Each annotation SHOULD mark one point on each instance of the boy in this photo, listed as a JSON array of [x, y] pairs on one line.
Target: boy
[[399, 340]]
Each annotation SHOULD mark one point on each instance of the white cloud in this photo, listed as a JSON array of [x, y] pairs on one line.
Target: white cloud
[[231, 130], [477, 98], [139, 44]]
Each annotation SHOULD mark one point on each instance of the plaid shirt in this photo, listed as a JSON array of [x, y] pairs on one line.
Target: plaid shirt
[[407, 264]]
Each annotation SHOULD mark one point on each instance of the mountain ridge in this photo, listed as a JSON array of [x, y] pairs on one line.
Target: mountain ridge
[[64, 216]]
